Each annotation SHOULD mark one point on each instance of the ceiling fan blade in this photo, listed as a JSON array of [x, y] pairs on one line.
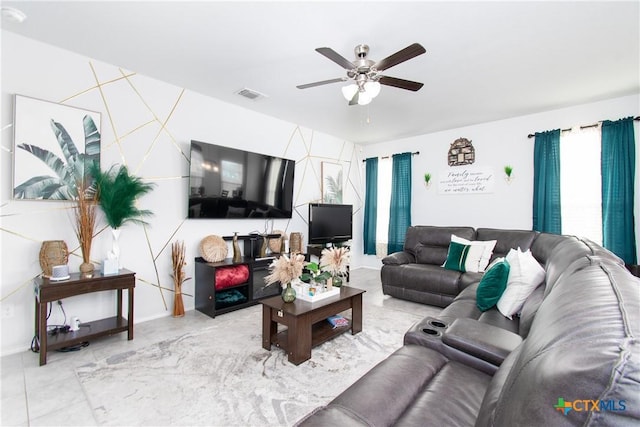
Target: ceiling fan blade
[[324, 82], [402, 55], [336, 57], [400, 83]]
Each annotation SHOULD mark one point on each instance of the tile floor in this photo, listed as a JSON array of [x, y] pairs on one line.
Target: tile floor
[[34, 395]]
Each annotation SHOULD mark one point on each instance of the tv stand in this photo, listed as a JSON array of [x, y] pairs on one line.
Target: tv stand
[[209, 301]]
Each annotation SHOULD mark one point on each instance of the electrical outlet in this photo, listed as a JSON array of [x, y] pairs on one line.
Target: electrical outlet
[[8, 310]]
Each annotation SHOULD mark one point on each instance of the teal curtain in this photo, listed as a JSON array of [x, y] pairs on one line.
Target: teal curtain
[[400, 209], [370, 206], [546, 182], [618, 174]]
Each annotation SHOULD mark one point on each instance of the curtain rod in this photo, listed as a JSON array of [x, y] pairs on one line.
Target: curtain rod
[[415, 153], [531, 135]]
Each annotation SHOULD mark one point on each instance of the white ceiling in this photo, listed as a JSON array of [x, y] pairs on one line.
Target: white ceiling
[[485, 61]]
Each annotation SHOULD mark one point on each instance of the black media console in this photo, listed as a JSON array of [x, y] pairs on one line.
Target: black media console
[[212, 302]]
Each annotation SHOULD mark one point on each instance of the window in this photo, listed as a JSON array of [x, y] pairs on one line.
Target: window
[[384, 200], [581, 183]]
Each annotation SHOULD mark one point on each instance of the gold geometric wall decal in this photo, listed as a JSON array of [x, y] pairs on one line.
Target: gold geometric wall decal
[[108, 111], [163, 126], [27, 282], [120, 140]]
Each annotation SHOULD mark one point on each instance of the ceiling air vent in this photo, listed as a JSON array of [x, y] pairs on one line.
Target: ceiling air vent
[[251, 94]]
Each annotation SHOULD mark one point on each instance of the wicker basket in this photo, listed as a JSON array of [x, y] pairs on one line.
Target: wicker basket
[[295, 243], [213, 248], [53, 252], [276, 244]]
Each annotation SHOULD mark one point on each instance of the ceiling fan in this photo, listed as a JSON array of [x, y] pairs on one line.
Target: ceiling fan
[[365, 73]]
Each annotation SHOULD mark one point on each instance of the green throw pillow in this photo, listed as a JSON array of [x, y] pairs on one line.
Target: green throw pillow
[[492, 285], [463, 257], [456, 256]]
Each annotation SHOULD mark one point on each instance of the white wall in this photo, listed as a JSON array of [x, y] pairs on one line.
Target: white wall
[[496, 144], [147, 125]]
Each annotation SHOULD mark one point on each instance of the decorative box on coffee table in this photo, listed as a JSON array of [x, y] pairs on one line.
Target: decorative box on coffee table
[[303, 293]]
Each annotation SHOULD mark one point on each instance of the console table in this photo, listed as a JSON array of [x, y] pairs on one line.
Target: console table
[[47, 291]]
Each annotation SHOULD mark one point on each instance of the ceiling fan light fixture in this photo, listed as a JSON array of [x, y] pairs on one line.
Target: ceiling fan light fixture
[[364, 74], [372, 88], [364, 98], [349, 91]]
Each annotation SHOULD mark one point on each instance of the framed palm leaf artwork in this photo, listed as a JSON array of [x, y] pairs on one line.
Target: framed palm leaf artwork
[[332, 182], [54, 147]]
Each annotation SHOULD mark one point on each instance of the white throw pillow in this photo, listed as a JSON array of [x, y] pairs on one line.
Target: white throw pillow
[[525, 275], [487, 250]]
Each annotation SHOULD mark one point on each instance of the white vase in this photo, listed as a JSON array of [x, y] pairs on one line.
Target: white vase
[[114, 253]]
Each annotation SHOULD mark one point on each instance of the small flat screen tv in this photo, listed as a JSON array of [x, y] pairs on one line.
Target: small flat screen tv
[[226, 182], [329, 223]]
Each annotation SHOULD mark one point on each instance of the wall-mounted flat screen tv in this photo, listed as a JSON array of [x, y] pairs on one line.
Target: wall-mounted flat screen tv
[[226, 182], [329, 223]]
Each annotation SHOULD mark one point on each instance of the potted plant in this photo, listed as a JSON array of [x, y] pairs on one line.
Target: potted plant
[[314, 274], [117, 192], [508, 170], [427, 180]]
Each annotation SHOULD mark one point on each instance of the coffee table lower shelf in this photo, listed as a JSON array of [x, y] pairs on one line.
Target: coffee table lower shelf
[[321, 332]]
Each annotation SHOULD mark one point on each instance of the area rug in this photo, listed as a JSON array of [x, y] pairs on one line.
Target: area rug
[[221, 375]]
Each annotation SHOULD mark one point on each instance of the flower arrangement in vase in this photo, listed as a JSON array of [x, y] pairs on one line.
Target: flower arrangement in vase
[[117, 192], [335, 261], [284, 270]]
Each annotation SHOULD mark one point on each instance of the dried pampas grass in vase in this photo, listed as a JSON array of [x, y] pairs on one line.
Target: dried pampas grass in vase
[[177, 259], [336, 261], [85, 221], [284, 270]]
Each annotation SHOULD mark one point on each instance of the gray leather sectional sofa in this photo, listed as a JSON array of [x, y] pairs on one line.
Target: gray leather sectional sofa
[[571, 358]]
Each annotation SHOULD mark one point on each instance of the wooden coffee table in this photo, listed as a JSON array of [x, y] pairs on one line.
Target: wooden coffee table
[[306, 322]]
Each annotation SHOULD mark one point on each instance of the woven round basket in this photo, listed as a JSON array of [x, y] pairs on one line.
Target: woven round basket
[[213, 248], [53, 252], [275, 244]]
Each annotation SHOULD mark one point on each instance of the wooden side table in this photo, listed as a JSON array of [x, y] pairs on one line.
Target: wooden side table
[[49, 291]]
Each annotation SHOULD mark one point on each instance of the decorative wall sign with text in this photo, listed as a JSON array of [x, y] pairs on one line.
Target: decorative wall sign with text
[[461, 152], [466, 181]]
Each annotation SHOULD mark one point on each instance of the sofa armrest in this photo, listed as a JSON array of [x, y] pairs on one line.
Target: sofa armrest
[[481, 340], [399, 258]]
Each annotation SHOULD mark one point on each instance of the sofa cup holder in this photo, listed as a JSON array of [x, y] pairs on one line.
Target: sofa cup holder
[[432, 332], [434, 327], [437, 323]]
